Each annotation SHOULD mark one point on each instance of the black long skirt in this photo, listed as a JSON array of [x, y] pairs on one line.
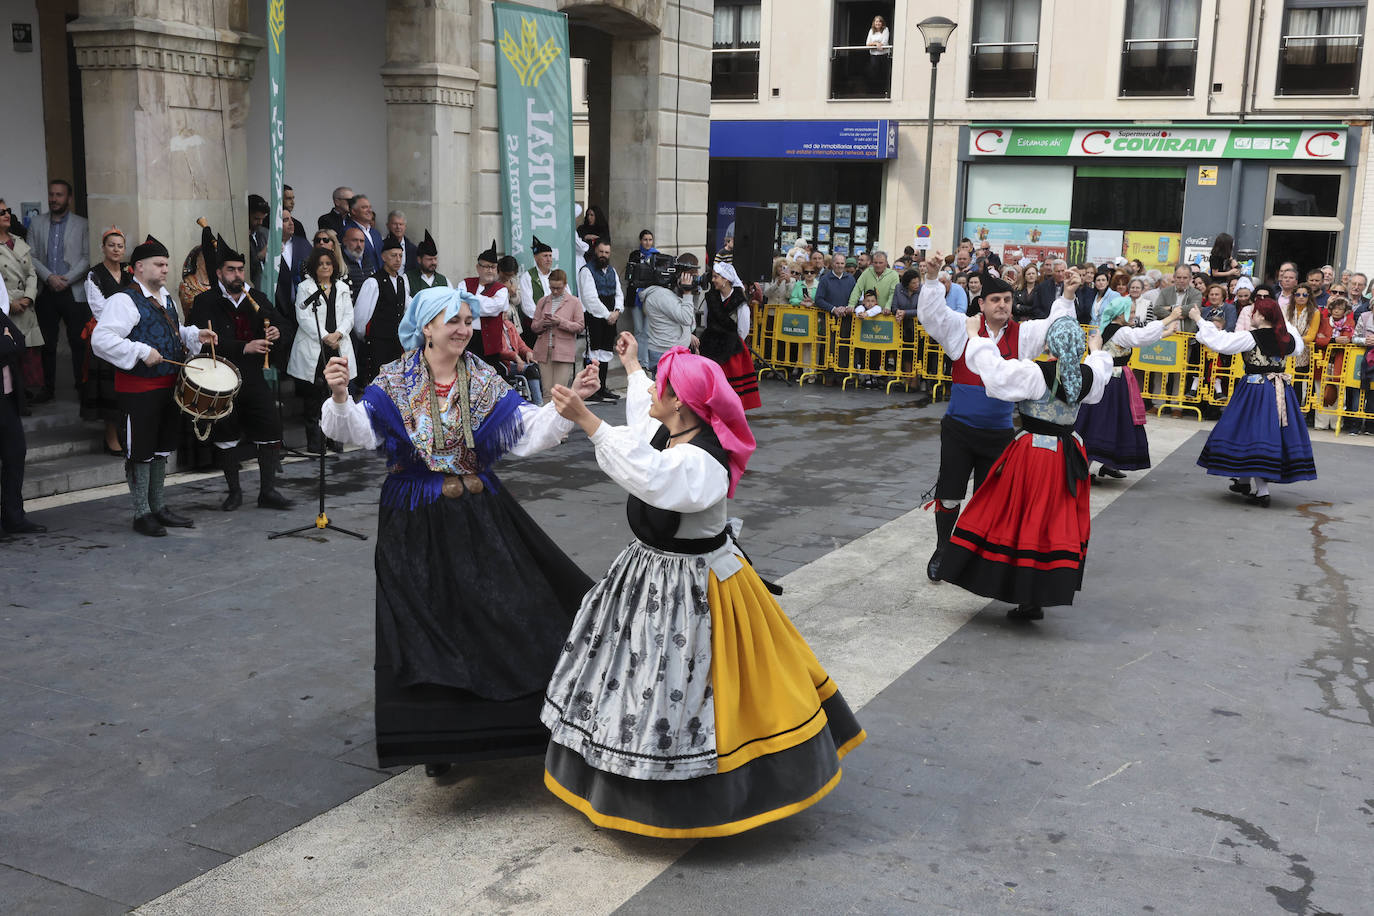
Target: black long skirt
[[474, 604]]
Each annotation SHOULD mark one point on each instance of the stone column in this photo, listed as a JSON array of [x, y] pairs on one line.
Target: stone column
[[430, 94], [650, 130], [165, 94]]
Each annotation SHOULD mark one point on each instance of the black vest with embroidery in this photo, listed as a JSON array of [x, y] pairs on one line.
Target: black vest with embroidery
[[158, 328]]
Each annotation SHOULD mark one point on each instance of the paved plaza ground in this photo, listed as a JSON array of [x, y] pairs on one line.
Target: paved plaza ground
[[186, 722]]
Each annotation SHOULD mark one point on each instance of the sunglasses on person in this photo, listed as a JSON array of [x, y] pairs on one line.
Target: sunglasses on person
[[6, 211], [1300, 295], [808, 273], [322, 240]]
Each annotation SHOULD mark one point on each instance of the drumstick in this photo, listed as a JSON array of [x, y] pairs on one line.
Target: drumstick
[[182, 365], [200, 221], [265, 325]]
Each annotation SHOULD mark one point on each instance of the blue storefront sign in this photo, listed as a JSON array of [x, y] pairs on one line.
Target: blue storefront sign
[[819, 140]]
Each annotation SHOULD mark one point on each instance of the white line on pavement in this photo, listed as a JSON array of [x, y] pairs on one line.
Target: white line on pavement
[[495, 840]]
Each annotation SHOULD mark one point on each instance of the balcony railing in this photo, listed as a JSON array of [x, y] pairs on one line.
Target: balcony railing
[[734, 73], [1003, 69], [1158, 66], [1319, 65], [855, 73]]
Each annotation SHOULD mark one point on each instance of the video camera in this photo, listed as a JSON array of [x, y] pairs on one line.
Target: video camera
[[660, 270]]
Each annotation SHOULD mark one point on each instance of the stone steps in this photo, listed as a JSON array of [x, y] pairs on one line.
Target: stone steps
[[71, 472]]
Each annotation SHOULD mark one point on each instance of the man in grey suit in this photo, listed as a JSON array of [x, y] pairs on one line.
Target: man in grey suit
[[1183, 294], [61, 244]]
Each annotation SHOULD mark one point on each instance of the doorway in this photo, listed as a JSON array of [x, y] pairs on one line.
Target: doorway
[[1305, 248]]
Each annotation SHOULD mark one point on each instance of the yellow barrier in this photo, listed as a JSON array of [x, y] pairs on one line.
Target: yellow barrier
[[1177, 362], [1341, 366], [799, 339], [761, 322], [875, 347]]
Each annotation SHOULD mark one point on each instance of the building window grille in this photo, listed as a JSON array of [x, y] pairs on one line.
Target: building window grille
[[1159, 54], [736, 30], [858, 70], [1006, 49], [1320, 49]]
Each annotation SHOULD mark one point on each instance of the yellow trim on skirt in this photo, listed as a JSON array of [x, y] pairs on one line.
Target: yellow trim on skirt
[[767, 683], [681, 833]]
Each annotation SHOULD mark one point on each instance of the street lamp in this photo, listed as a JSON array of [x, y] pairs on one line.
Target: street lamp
[[936, 31]]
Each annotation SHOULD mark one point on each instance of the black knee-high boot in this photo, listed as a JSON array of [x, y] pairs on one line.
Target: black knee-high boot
[[606, 393], [268, 495], [229, 464], [945, 520]]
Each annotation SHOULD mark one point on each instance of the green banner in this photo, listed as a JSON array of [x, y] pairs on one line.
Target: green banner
[[1161, 141], [1165, 356], [878, 333], [276, 138], [796, 324], [534, 104]]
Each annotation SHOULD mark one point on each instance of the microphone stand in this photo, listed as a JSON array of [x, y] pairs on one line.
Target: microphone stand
[[321, 521]]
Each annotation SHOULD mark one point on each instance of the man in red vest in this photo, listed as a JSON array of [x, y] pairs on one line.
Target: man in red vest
[[493, 299], [976, 428]]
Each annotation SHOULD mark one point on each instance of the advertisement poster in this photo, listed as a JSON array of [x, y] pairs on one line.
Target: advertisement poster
[[725, 219], [1021, 208], [843, 213], [823, 233], [823, 213], [534, 107], [1105, 245], [1156, 141], [1156, 250], [790, 214], [841, 243], [808, 212], [861, 213]]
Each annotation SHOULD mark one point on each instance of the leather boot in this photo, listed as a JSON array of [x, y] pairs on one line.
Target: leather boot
[[230, 466], [945, 520], [314, 439], [268, 495]]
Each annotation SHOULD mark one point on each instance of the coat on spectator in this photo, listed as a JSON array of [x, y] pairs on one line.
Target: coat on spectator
[[557, 322]]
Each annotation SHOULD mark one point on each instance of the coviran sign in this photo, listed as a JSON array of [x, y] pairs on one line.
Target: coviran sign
[[1323, 143]]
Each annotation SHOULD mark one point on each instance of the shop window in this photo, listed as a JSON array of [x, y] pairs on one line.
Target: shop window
[[1306, 194], [1005, 50], [858, 70], [736, 28], [1129, 198], [1319, 53], [1159, 55]]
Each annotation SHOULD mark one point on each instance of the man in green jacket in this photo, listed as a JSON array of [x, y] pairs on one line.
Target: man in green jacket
[[878, 277]]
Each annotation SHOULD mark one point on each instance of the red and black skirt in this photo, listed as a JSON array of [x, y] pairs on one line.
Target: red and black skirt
[[1023, 537], [739, 370]]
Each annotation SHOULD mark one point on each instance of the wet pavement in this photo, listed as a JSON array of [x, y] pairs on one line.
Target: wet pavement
[[1192, 736]]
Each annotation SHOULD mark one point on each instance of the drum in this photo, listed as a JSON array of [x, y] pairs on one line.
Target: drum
[[206, 390]]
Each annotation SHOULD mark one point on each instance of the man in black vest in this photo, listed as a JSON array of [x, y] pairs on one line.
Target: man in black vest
[[534, 285], [247, 325], [426, 271], [137, 327], [377, 314]]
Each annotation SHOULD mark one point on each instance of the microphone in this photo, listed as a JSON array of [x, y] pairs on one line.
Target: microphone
[[314, 299]]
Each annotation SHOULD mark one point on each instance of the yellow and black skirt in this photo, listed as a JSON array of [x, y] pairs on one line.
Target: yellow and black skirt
[[686, 704]]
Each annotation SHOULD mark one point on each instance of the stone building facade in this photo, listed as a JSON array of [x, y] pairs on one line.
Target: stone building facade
[[394, 98]]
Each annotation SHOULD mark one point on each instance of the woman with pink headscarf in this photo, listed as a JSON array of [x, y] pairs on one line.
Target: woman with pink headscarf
[[685, 704]]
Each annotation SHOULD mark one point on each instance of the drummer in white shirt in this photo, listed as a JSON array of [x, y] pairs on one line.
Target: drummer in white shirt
[[137, 333]]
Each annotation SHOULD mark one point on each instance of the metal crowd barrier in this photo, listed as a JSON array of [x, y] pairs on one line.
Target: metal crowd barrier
[[1342, 366], [1177, 372], [877, 347], [799, 338]]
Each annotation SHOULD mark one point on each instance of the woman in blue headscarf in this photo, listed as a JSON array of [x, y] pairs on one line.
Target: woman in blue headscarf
[[474, 601], [1113, 430], [1024, 535]]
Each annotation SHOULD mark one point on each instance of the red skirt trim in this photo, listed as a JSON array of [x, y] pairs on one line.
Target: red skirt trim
[[1023, 537], [739, 371]]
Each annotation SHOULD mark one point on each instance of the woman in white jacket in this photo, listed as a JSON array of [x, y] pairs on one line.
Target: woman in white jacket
[[322, 294]]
